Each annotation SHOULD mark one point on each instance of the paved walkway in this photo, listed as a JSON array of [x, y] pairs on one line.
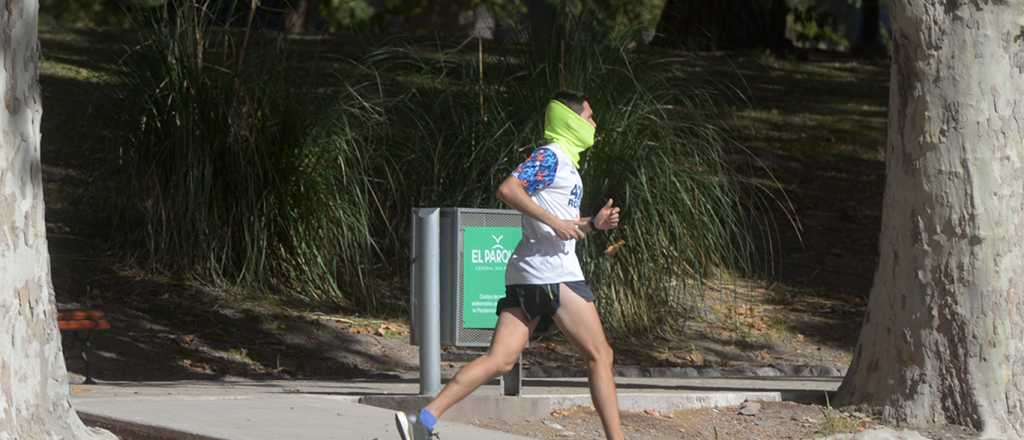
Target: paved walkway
[[244, 409]]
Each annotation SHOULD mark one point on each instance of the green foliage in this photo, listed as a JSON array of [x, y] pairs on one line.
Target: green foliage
[[345, 14], [90, 12], [504, 9], [824, 24], [431, 15], [812, 27], [231, 179], [626, 15], [434, 16], [835, 422], [240, 176]]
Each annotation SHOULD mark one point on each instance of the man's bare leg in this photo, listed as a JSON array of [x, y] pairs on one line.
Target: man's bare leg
[[510, 337], [579, 321]]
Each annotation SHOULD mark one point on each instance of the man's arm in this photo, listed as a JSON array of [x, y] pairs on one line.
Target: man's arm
[[512, 193]]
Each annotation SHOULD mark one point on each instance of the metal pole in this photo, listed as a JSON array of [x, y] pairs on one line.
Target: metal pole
[[428, 236]]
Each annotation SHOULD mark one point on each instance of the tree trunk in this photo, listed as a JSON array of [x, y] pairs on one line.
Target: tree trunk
[[34, 401], [943, 337]]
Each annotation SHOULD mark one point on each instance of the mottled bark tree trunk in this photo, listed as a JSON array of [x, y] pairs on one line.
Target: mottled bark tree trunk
[[943, 338], [34, 401]]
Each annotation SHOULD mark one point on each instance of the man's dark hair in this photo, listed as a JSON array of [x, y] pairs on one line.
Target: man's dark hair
[[571, 99]]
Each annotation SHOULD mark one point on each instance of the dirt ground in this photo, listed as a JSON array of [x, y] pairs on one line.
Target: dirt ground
[[773, 421]]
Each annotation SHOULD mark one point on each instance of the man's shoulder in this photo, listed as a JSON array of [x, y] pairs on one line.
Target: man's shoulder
[[547, 155], [553, 151]]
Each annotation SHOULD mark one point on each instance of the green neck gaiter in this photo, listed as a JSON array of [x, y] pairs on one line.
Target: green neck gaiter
[[567, 129]]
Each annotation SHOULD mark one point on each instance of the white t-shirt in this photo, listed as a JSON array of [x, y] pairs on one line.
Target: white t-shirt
[[551, 180]]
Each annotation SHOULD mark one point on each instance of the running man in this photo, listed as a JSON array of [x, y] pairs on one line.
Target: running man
[[544, 281]]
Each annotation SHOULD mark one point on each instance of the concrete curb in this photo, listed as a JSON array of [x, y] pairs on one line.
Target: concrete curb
[[626, 371], [475, 407], [127, 430], [774, 370]]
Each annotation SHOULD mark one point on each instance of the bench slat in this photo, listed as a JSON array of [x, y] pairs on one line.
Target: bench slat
[[72, 315], [82, 324]]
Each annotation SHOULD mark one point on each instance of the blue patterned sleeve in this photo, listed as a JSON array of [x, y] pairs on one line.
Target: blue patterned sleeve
[[538, 172]]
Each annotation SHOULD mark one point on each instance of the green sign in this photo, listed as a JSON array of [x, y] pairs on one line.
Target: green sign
[[485, 252]]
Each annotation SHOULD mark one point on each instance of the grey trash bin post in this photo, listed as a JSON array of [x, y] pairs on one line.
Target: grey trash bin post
[[426, 261], [474, 245]]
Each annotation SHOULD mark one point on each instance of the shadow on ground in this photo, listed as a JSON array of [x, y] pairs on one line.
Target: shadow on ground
[[818, 127]]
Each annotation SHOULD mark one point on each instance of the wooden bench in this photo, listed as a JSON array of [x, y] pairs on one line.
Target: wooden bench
[[81, 323]]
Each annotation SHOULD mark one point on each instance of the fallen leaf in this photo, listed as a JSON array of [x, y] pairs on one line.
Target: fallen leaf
[[695, 358], [749, 408], [554, 425], [614, 248]]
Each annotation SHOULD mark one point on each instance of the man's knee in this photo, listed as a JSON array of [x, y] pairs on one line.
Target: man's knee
[[502, 365], [601, 356]]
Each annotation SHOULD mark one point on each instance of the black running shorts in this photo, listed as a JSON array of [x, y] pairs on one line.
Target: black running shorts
[[540, 300]]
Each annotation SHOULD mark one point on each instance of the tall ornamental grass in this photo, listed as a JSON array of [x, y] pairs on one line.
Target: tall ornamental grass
[[236, 177], [240, 175], [660, 155]]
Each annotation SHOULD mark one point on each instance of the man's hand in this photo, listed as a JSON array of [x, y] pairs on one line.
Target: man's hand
[[569, 229], [607, 218]]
